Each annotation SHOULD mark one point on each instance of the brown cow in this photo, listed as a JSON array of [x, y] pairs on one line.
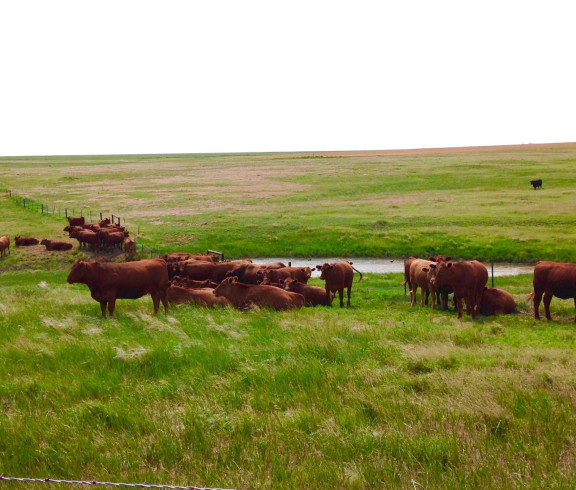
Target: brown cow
[[76, 220], [55, 246], [127, 280], [419, 279], [313, 295], [200, 296], [249, 273], [25, 241], [338, 276], [186, 283], [244, 296], [270, 276], [552, 279], [85, 237], [129, 247], [466, 278], [497, 302], [4, 245], [200, 270]]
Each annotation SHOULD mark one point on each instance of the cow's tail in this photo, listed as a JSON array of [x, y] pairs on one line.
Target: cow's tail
[[530, 297], [358, 273]]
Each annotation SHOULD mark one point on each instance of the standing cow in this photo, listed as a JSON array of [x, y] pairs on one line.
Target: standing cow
[[128, 280], [552, 279], [467, 279], [4, 245], [338, 276]]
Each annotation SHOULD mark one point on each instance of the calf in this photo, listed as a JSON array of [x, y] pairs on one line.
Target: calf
[[419, 279], [313, 295], [338, 276], [497, 302], [4, 245], [25, 241], [244, 296], [53, 245], [552, 279]]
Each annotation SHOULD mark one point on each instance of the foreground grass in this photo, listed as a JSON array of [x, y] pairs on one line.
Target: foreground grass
[[377, 395], [470, 205]]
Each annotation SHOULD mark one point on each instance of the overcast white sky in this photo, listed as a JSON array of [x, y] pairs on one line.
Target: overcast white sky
[[123, 76]]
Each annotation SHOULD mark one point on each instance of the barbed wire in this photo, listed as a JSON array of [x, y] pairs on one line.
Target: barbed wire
[[94, 482]]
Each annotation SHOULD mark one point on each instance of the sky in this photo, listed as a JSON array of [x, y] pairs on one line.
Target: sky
[[121, 77]]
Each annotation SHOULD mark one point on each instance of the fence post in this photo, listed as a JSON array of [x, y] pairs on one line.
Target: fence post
[[66, 211], [42, 208]]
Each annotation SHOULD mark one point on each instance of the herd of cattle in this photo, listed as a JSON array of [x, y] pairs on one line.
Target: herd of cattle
[[202, 279]]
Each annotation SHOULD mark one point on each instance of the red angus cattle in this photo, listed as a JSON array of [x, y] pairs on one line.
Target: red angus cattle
[[244, 296], [270, 276], [186, 283], [338, 276], [497, 302], [419, 279], [407, 264], [175, 259], [250, 273], [25, 241], [4, 245], [85, 237], [552, 279], [466, 278], [313, 295], [201, 296], [200, 270], [76, 220], [127, 280], [129, 247], [55, 246]]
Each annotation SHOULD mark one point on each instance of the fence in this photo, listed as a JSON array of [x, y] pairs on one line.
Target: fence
[[65, 211]]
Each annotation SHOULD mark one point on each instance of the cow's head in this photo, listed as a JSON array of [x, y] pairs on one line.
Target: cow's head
[[44, 242], [225, 285], [79, 272], [439, 273], [324, 269]]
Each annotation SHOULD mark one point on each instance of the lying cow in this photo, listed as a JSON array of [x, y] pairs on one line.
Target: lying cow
[[467, 279], [497, 302], [25, 241], [278, 276], [186, 283], [313, 295], [200, 270], [250, 273], [245, 296], [552, 279], [4, 245], [55, 246], [338, 276], [201, 296], [127, 280]]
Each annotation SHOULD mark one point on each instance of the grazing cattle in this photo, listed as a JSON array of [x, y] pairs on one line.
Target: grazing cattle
[[497, 302], [338, 276], [249, 273], [419, 279], [25, 241], [4, 245], [55, 246], [200, 270], [200, 296], [129, 247], [127, 280], [278, 276], [244, 296], [466, 278], [537, 184], [175, 259], [313, 295], [552, 279], [76, 220]]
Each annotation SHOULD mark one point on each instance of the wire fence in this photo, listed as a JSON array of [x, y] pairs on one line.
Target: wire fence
[[59, 210], [94, 482]]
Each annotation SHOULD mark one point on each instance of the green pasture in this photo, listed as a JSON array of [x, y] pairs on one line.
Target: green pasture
[[470, 205]]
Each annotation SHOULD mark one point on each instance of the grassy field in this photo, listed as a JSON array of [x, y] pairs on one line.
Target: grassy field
[[475, 204], [379, 395]]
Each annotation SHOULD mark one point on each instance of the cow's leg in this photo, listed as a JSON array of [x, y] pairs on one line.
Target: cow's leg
[[458, 301], [547, 300], [427, 296], [413, 292], [164, 298], [103, 307], [349, 292], [341, 296], [328, 299], [156, 301], [111, 306]]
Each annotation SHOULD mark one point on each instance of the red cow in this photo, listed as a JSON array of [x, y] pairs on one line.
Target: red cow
[[85, 237], [4, 245], [419, 279], [244, 296], [312, 294], [277, 276], [186, 283], [497, 302], [55, 246], [466, 278], [25, 241], [200, 296], [127, 280], [76, 220], [200, 270], [338, 276], [249, 273], [552, 279], [129, 247]]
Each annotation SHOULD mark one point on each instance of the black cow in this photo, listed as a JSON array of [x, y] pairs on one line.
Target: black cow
[[536, 183]]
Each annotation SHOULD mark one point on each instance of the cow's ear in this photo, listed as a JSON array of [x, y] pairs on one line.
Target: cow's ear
[[425, 269], [432, 266]]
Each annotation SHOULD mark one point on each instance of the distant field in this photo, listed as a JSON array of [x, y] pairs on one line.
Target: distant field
[[474, 203]]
